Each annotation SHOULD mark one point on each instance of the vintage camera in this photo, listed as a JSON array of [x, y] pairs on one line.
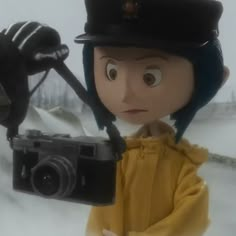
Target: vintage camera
[[80, 169]]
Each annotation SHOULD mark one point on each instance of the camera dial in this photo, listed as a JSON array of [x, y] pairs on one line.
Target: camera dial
[[53, 176]]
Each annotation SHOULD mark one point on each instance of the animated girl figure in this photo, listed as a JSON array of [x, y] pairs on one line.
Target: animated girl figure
[[144, 60]]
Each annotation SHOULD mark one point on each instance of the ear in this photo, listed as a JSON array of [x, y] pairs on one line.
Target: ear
[[226, 75]]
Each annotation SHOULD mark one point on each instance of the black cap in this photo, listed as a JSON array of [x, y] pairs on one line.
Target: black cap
[[187, 23]]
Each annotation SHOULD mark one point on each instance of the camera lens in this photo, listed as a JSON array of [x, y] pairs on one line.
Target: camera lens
[[54, 176], [47, 180]]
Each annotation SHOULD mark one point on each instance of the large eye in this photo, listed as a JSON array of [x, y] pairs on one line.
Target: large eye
[[152, 77], [111, 71]]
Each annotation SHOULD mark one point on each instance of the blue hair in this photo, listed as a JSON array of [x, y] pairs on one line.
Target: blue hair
[[88, 63], [208, 68]]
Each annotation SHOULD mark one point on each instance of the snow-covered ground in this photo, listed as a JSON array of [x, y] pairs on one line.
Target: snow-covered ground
[[22, 214]]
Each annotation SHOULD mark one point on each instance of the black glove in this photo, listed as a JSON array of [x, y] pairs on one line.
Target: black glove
[[13, 85], [39, 45], [25, 48]]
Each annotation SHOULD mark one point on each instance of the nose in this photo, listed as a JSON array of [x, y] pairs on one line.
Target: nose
[[128, 92]]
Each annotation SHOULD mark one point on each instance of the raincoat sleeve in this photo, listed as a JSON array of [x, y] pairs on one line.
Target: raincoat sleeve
[[96, 223], [190, 213]]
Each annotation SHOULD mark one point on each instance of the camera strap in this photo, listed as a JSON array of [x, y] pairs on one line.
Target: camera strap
[[39, 83], [118, 143]]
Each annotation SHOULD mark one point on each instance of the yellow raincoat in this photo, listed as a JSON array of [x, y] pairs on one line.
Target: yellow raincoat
[[158, 191]]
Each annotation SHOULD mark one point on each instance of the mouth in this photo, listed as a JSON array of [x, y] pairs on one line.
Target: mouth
[[134, 111]]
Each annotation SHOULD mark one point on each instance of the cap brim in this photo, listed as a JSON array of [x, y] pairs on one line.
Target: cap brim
[[135, 41]]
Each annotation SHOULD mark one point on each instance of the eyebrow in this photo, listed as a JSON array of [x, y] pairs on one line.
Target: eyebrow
[[163, 57]]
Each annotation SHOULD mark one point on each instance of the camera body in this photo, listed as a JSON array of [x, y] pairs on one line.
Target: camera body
[[79, 169]]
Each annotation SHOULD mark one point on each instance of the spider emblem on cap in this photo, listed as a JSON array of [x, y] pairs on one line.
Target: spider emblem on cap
[[130, 9]]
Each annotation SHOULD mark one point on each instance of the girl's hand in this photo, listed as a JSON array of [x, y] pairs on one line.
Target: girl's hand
[[106, 232], [39, 45]]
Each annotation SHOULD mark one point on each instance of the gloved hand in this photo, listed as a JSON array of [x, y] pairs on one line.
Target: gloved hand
[[13, 84], [25, 48], [39, 45]]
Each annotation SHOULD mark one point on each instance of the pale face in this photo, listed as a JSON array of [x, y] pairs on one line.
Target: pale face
[[142, 85]]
